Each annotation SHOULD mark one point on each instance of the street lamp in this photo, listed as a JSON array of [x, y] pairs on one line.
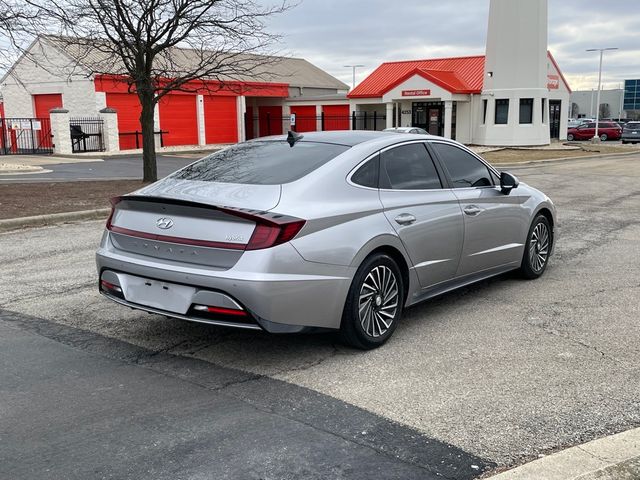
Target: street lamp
[[596, 138], [354, 72]]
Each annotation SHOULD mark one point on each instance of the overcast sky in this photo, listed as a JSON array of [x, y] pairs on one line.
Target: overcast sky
[[333, 33]]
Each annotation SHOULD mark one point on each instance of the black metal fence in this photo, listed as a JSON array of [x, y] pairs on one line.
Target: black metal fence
[[25, 136], [265, 125], [86, 134], [131, 140]]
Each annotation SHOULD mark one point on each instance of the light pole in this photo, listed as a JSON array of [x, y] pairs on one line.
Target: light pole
[[354, 73], [621, 101], [596, 138]]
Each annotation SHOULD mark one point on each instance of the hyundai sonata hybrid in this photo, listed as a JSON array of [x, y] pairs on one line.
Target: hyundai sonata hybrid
[[321, 231]]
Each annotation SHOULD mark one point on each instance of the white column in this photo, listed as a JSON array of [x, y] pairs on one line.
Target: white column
[[448, 118], [202, 134], [318, 118], [353, 108], [389, 115], [241, 107], [60, 131], [110, 131], [156, 124]]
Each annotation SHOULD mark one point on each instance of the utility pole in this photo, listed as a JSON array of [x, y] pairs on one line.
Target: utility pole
[[354, 73], [596, 137]]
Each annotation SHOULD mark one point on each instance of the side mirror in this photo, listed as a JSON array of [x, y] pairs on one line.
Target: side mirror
[[508, 182]]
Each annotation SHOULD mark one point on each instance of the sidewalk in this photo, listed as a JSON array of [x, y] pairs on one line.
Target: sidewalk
[[616, 457]]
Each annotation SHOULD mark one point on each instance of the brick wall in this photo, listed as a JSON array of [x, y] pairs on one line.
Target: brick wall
[[46, 70]]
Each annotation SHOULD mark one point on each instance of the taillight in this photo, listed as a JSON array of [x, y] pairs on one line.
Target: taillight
[[268, 235], [114, 201]]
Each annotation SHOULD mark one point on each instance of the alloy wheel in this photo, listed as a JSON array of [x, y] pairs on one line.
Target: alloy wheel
[[539, 247], [378, 301]]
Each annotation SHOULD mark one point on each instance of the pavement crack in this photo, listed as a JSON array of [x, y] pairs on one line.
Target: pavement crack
[[591, 454]]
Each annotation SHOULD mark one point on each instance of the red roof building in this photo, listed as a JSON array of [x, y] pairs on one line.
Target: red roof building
[[443, 96]]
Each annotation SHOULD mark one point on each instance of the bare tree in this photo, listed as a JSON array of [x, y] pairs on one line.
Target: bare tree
[[605, 110], [160, 46]]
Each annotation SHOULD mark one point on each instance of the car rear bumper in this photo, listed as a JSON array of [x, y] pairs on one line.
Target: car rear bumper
[[279, 290]]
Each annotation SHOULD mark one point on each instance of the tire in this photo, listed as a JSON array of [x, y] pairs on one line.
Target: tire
[[604, 137], [367, 321], [570, 137], [537, 249], [624, 142]]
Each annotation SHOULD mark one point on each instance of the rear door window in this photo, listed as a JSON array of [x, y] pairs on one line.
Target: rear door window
[[262, 162], [408, 167]]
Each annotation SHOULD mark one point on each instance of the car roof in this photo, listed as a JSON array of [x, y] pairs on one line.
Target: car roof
[[349, 138]]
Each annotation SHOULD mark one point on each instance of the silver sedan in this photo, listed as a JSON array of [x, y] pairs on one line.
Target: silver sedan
[[321, 231]]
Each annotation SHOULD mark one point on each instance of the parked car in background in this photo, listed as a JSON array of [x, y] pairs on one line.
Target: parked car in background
[[326, 230], [606, 131], [631, 132], [576, 122], [413, 130]]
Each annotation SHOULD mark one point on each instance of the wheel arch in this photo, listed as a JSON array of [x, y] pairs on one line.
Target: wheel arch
[[548, 214], [391, 246]]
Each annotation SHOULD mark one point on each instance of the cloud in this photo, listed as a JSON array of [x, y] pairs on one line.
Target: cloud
[[332, 33]]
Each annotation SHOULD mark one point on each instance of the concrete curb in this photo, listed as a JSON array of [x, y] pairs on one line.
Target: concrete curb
[[565, 159], [52, 219], [613, 457]]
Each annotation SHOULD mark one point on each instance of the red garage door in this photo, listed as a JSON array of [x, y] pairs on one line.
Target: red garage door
[[336, 117], [220, 119], [305, 118], [179, 117], [43, 103], [128, 107], [270, 120]]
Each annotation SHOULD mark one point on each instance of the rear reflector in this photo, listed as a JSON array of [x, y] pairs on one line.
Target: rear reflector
[[220, 310], [110, 286]]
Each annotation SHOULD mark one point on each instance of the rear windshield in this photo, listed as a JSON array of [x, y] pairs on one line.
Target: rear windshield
[[262, 163], [634, 125]]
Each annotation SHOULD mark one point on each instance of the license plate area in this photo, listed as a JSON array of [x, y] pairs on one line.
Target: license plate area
[[157, 294]]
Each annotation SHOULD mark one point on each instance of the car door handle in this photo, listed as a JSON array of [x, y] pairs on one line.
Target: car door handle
[[405, 219], [472, 210]]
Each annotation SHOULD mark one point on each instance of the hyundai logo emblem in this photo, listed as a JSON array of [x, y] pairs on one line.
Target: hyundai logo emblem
[[164, 223]]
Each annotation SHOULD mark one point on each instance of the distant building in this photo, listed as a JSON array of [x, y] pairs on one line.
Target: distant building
[[53, 76], [515, 95], [584, 103], [632, 98]]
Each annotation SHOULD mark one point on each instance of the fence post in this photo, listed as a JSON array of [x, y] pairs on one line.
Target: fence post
[[110, 132], [61, 131], [364, 127], [322, 121], [353, 121], [375, 121]]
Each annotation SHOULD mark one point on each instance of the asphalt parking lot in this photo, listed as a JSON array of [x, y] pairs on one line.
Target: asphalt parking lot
[[483, 378]]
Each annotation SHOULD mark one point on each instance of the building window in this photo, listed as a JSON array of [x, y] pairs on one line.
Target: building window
[[544, 110], [502, 112], [526, 111], [485, 104]]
